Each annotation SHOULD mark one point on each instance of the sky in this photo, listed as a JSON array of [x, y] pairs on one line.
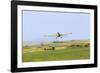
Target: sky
[[36, 24]]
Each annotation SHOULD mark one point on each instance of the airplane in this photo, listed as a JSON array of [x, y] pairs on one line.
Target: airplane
[[57, 35]]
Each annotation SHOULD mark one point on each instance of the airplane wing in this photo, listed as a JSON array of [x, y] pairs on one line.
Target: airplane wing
[[55, 35], [65, 34]]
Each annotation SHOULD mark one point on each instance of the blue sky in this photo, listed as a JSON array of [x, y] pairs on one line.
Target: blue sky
[[36, 24]]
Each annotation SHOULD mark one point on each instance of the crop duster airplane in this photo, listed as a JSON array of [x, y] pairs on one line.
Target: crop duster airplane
[[57, 35]]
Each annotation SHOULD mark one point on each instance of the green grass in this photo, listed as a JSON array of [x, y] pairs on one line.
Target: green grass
[[71, 53]]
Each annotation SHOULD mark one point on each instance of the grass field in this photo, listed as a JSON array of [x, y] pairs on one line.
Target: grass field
[[63, 51]]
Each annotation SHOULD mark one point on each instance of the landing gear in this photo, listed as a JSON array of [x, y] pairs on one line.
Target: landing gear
[[56, 37]]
